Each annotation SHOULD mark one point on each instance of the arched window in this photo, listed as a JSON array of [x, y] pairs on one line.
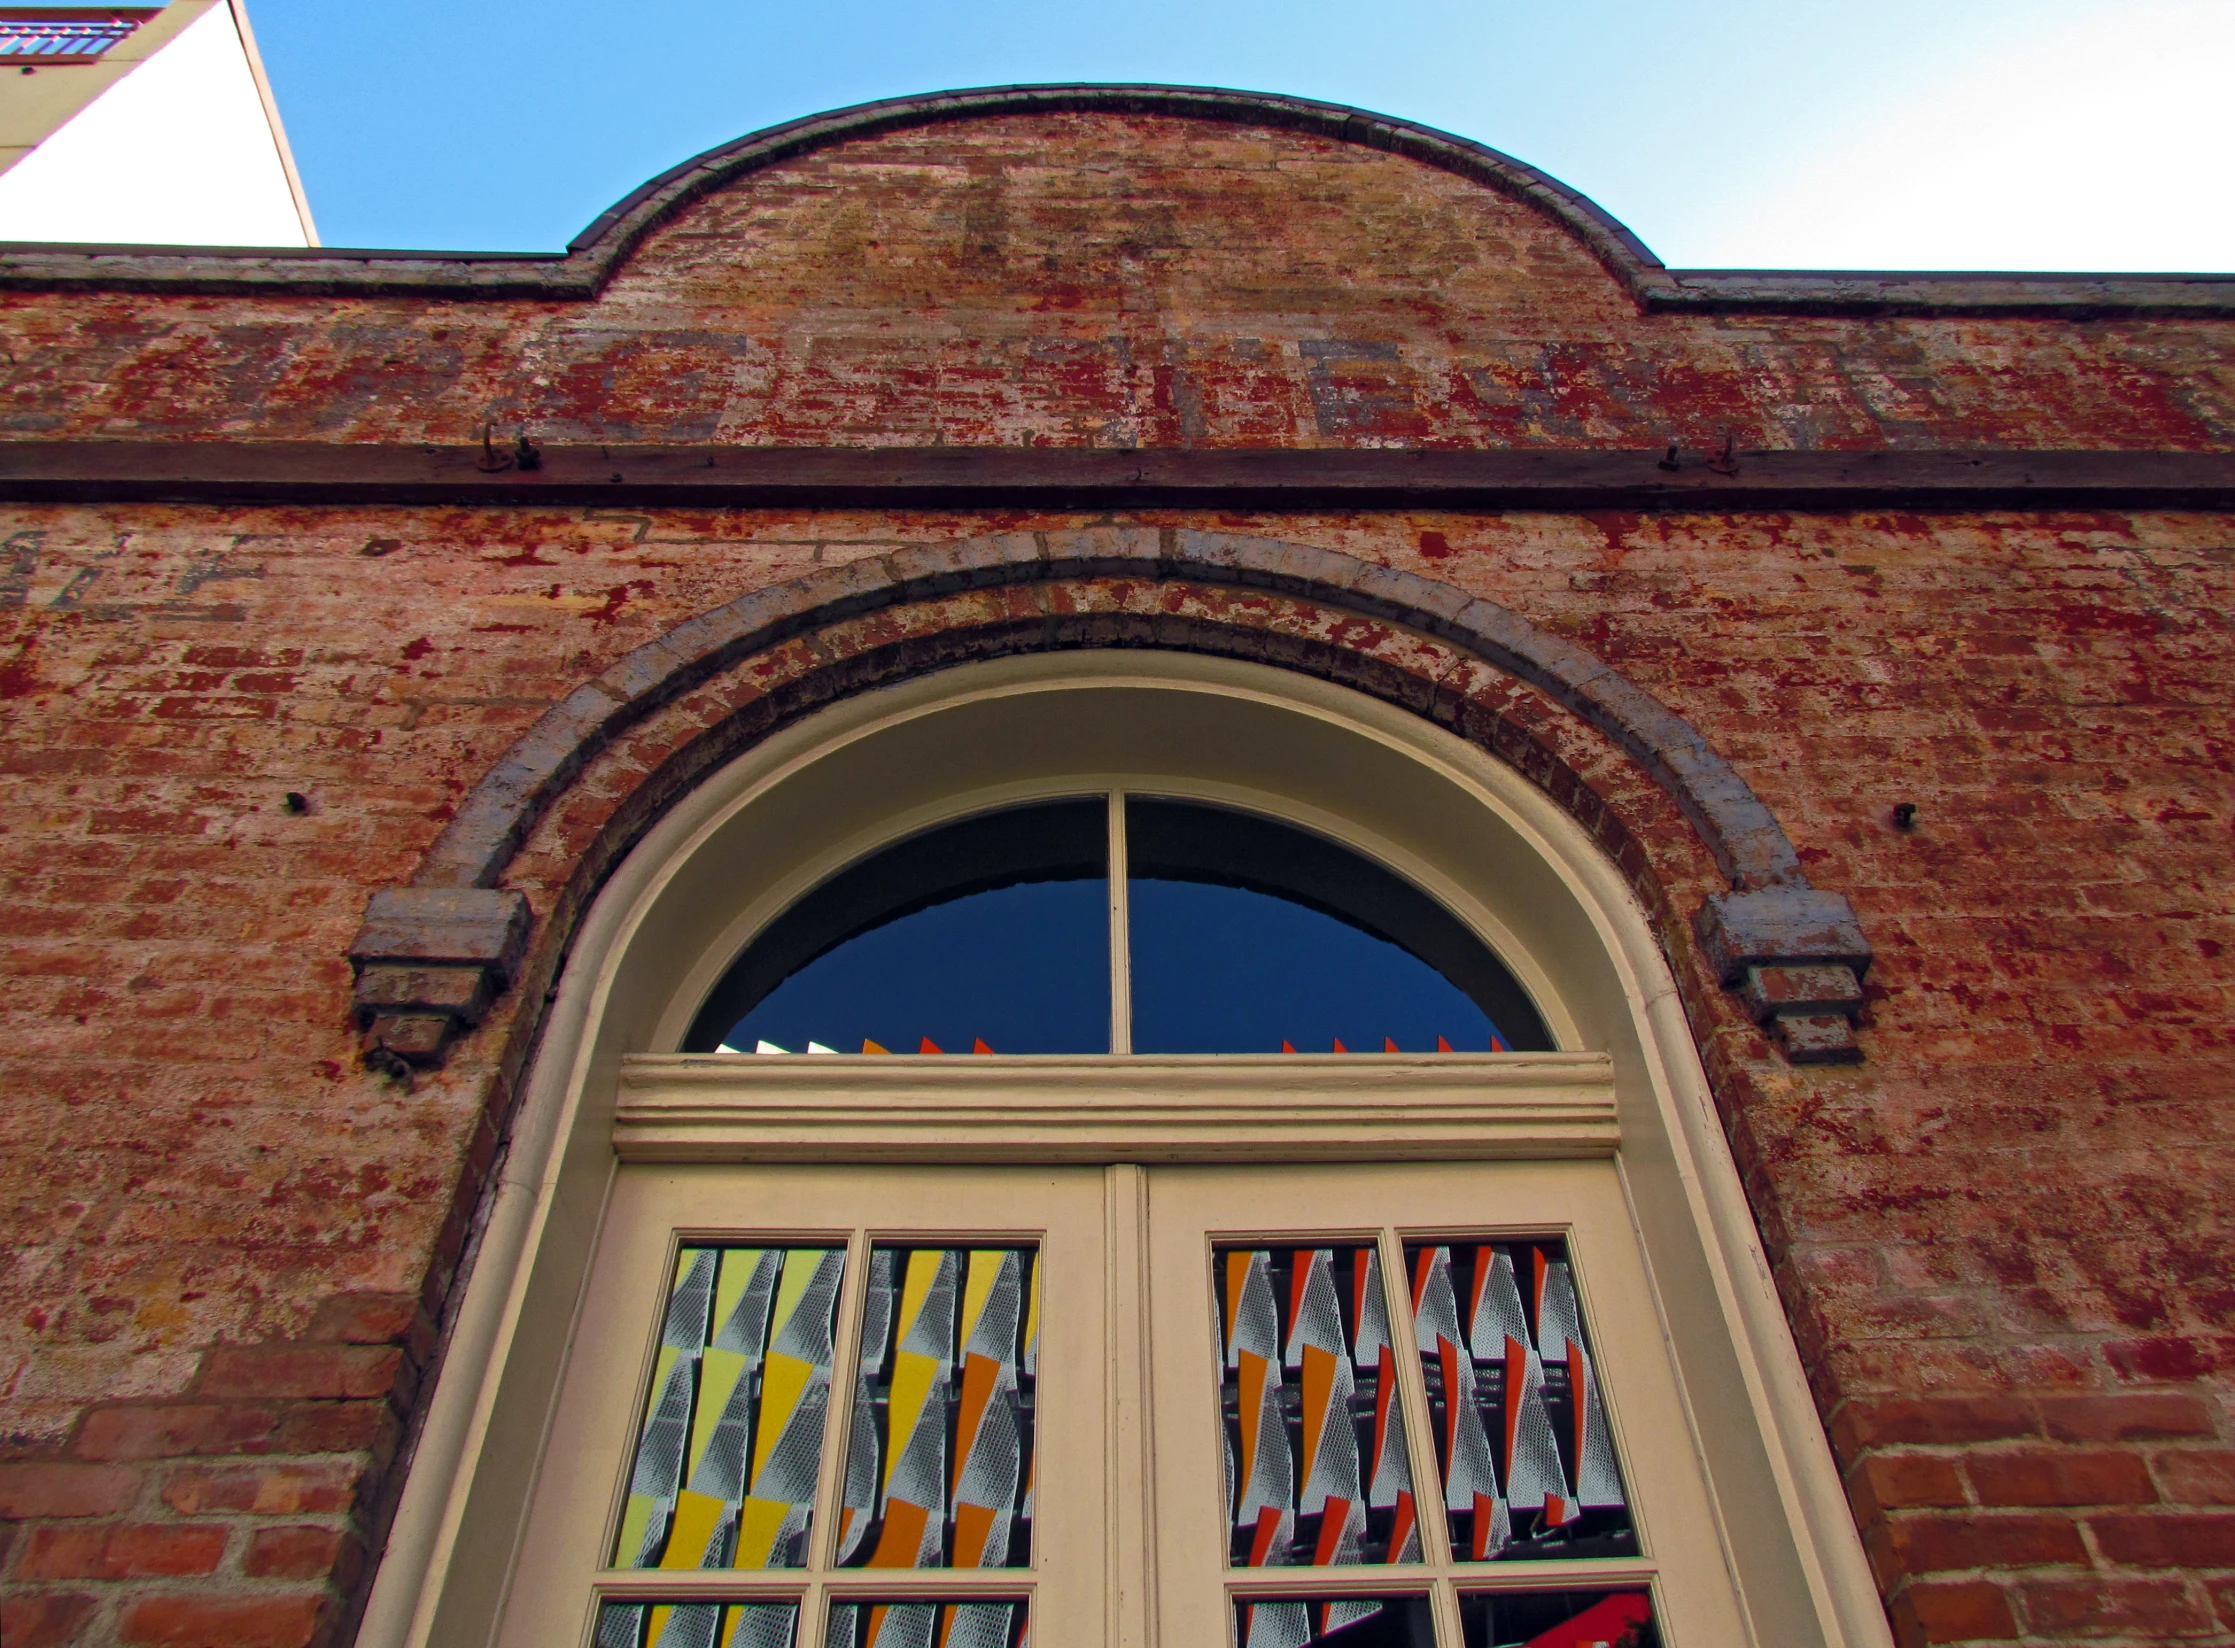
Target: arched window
[[1223, 931], [1142, 1330]]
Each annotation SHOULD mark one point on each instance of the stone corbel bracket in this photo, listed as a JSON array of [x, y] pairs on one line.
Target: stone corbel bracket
[[1796, 956], [429, 961]]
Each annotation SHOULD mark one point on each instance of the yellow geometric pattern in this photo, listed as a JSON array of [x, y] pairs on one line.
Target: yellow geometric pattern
[[697, 1625], [731, 1437], [939, 1457]]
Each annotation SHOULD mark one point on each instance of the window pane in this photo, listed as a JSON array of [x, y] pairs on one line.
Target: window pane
[[1247, 934], [1558, 1619], [731, 1438], [1521, 1434], [1339, 1622], [939, 1457], [696, 1625], [878, 1624], [993, 930], [1314, 1427]]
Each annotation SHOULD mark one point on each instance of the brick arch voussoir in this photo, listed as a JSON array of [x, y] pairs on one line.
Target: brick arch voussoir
[[432, 956]]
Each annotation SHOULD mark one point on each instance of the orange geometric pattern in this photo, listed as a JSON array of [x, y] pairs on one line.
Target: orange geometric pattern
[[1521, 1431], [1314, 1432], [939, 1457]]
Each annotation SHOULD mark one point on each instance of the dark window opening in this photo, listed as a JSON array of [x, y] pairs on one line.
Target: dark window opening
[[1247, 934], [993, 935], [993, 930]]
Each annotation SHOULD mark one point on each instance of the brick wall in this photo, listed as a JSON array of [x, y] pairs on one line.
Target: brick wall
[[1078, 279], [1999, 1239]]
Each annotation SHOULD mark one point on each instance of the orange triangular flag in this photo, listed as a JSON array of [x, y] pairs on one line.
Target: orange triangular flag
[[1442, 1046], [929, 1046], [1287, 1046], [1339, 1047], [978, 1045], [868, 1046], [1389, 1046], [1497, 1046]]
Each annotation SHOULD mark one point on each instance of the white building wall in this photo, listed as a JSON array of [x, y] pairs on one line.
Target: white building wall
[[185, 149]]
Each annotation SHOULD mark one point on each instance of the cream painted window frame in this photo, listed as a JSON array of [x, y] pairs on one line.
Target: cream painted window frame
[[873, 769], [660, 1208], [1193, 1211]]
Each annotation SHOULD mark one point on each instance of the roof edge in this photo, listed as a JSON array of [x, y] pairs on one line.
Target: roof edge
[[595, 255]]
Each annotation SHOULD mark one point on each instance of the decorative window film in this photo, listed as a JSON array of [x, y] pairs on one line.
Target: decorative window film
[[1557, 1619], [939, 1455], [697, 1625], [731, 1438], [1487, 1619], [1521, 1433], [1314, 1428], [1352, 1622], [857, 1624]]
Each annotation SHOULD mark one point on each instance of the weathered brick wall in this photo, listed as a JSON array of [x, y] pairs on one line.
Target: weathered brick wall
[[2000, 1239], [1076, 279]]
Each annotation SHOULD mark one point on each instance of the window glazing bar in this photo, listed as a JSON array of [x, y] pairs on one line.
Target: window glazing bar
[[1121, 940]]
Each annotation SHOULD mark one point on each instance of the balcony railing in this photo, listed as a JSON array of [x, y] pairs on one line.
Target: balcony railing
[[50, 36]]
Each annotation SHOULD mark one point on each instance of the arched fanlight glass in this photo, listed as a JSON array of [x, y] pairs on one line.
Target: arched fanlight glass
[[1237, 934]]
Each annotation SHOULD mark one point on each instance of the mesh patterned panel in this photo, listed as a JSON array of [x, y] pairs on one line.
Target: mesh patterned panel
[[1340, 1622], [1314, 1427], [697, 1625], [939, 1460], [732, 1434], [1521, 1434], [856, 1624]]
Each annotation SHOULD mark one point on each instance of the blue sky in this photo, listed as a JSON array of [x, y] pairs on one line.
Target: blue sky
[[2075, 134]]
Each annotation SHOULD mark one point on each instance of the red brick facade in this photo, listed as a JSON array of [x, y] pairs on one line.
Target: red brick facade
[[2000, 1238]]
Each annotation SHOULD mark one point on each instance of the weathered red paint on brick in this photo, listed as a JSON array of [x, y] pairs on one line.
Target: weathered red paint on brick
[[173, 1429], [1952, 1611], [44, 1619], [279, 1488], [120, 1551], [2146, 1610], [1999, 1240], [1889, 1482], [302, 1553], [2197, 1476], [2169, 1539], [189, 1621], [2060, 1477], [2124, 1417], [33, 1491], [298, 1370], [1939, 1543]]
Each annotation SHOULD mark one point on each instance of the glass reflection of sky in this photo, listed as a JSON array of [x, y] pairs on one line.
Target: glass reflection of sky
[[1026, 970], [1225, 970]]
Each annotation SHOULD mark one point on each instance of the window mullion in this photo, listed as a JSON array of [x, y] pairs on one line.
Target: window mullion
[[1412, 1386], [845, 1352], [1128, 1431], [1121, 940], [1450, 1628]]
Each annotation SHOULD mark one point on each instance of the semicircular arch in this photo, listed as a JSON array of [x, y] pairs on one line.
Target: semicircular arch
[[431, 955]]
